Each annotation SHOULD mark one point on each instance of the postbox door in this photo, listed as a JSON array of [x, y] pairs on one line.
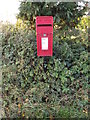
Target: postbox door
[[44, 44]]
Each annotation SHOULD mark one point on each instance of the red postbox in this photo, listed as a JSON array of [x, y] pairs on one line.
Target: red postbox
[[44, 33]]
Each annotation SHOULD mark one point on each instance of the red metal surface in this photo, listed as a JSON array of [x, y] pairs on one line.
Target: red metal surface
[[44, 29]]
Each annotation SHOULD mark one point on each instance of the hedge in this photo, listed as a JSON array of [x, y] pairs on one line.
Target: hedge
[[41, 87]]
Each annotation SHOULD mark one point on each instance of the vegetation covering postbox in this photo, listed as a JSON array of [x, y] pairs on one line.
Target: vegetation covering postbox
[[44, 32]]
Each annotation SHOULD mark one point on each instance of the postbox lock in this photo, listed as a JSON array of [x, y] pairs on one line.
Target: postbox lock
[[44, 34]]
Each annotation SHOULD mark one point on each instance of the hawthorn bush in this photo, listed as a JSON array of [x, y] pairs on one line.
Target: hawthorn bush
[[44, 87]]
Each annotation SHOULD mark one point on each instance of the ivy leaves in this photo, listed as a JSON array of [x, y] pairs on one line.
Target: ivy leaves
[[41, 86]]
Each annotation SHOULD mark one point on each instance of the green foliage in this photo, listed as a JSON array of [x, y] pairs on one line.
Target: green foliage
[[39, 87], [64, 13]]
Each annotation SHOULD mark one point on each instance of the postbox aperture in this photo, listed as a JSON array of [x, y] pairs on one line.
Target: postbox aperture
[[44, 33]]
